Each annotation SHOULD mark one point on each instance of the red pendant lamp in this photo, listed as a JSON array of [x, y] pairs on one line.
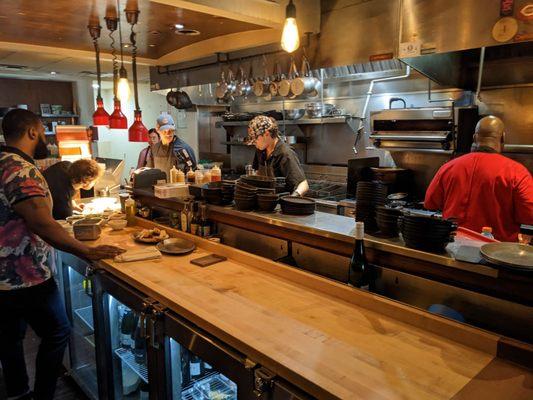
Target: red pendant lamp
[[137, 131], [117, 120], [100, 116]]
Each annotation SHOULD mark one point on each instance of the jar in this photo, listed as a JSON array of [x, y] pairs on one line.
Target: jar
[[190, 176]]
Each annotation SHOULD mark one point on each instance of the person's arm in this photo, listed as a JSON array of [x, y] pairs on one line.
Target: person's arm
[[294, 174], [434, 199], [77, 207], [302, 188], [38, 217], [523, 198]]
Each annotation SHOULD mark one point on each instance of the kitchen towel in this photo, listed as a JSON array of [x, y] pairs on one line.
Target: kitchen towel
[[139, 255]]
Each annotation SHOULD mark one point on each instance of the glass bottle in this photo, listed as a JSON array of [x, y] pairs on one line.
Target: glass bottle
[[131, 211], [185, 217], [173, 174], [205, 224], [359, 272], [195, 221]]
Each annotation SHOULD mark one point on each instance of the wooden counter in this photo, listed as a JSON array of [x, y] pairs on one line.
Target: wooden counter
[[331, 340]]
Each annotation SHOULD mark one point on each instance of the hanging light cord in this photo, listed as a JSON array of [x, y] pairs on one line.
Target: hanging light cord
[[98, 71], [134, 66], [115, 63], [120, 35]]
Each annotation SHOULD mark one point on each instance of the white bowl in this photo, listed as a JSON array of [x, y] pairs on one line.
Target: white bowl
[[117, 224]]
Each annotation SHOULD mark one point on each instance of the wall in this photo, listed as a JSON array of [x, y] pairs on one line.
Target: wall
[[35, 92], [114, 143]]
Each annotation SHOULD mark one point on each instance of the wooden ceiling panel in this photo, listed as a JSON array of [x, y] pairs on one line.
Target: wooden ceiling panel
[[63, 23]]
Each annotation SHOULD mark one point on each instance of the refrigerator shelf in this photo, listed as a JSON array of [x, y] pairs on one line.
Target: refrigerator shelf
[[219, 385], [129, 359], [86, 315]]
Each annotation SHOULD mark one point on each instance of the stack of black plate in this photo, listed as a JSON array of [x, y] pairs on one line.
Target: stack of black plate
[[387, 220], [267, 202], [426, 233], [245, 196], [368, 196], [212, 192], [228, 191], [259, 181], [297, 205]]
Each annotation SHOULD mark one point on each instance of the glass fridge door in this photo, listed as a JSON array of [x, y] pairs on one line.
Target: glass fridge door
[[78, 302], [195, 379], [128, 348]]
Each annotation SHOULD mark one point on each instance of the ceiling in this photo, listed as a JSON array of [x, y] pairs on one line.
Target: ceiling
[[63, 23]]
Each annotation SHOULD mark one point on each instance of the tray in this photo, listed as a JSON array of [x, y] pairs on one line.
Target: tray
[[175, 246], [510, 255]]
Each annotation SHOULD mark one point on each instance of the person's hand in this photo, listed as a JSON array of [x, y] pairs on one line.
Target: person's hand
[[103, 251]]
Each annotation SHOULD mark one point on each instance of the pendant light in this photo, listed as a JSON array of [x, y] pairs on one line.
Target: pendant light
[[290, 38], [137, 131], [123, 88], [117, 120], [100, 116]]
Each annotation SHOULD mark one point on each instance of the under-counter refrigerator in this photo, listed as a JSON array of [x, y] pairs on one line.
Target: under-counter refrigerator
[[146, 351]]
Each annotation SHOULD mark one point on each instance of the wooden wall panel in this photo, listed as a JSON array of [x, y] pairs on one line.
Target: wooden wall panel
[[35, 92]]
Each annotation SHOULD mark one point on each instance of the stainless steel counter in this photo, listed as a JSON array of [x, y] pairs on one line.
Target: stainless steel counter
[[341, 228]]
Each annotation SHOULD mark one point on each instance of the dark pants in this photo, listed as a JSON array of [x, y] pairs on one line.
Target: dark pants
[[42, 308]]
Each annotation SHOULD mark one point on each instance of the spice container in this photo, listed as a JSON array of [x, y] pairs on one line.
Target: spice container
[[180, 176]]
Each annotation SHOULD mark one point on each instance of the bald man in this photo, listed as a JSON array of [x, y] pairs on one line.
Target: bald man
[[484, 188]]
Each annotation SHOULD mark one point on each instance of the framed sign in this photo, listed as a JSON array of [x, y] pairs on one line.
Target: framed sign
[[45, 109]]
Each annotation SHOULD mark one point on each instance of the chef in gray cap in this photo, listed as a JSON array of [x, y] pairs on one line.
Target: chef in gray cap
[[171, 150]]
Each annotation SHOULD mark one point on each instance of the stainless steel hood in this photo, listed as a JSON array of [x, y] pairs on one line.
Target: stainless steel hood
[[508, 64]]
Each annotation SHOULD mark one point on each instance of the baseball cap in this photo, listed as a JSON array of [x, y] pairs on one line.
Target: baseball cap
[[165, 122], [259, 126]]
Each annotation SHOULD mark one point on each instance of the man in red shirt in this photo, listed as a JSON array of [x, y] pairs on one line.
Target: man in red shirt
[[484, 188]]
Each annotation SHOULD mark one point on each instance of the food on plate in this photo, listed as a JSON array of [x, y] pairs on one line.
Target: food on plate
[[152, 234]]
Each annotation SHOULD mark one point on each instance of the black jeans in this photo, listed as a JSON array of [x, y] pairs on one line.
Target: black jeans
[[41, 307]]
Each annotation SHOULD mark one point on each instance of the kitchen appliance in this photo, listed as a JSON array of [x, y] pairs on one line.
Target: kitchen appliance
[[147, 177], [437, 129]]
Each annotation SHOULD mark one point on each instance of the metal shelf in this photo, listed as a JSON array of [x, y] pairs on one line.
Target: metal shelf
[[128, 358], [302, 121], [86, 315]]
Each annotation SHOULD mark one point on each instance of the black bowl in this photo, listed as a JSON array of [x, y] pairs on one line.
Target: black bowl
[[245, 205], [267, 205]]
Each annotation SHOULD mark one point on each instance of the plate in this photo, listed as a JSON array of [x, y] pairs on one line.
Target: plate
[[148, 240], [176, 246], [513, 255]]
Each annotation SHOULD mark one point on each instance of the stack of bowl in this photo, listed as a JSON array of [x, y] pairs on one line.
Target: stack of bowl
[[267, 202], [245, 196], [426, 233], [368, 196], [387, 220], [212, 192], [228, 191], [295, 205], [259, 181]]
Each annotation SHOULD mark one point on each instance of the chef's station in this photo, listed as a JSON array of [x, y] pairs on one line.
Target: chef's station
[[335, 278]]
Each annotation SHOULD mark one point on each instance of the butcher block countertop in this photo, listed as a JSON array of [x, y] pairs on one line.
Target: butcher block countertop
[[331, 340]]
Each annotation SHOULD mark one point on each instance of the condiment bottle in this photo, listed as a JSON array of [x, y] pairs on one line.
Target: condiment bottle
[[216, 174], [487, 232], [190, 176], [198, 176], [207, 176], [131, 211], [180, 176], [174, 175]]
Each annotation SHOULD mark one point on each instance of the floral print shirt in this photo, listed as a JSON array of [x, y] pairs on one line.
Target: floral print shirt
[[23, 254]]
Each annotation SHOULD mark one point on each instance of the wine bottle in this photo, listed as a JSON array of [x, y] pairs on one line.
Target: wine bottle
[[195, 222], [359, 273], [205, 224]]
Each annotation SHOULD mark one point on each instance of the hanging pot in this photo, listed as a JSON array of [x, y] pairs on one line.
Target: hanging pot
[[284, 88], [261, 86], [243, 88], [222, 87], [307, 83], [183, 101], [171, 98], [274, 83]]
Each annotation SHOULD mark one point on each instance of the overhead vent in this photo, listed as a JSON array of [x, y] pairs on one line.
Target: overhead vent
[[11, 67]]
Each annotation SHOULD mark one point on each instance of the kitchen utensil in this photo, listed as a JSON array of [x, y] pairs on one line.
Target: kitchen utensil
[[511, 255], [274, 83], [171, 99], [243, 88], [293, 114], [284, 88], [183, 101], [297, 205], [306, 83], [261, 85], [318, 110], [175, 246], [222, 87]]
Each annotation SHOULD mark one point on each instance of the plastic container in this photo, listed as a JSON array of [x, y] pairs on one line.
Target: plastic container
[[198, 176], [487, 232], [207, 176], [190, 176], [180, 176]]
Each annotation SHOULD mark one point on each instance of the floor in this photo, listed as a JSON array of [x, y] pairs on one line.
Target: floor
[[66, 388]]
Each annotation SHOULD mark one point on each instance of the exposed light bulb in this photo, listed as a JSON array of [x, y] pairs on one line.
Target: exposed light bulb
[[123, 86], [290, 38]]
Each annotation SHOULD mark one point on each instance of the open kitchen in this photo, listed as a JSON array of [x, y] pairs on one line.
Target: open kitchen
[[266, 199]]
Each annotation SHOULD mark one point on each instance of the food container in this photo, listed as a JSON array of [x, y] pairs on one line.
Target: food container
[[168, 190], [319, 110], [293, 114], [117, 224], [88, 228]]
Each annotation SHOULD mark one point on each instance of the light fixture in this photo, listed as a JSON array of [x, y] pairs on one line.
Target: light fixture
[[290, 38], [53, 72], [179, 26], [100, 115], [117, 119], [137, 131], [123, 88]]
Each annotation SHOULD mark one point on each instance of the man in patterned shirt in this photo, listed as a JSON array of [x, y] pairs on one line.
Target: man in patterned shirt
[[28, 293]]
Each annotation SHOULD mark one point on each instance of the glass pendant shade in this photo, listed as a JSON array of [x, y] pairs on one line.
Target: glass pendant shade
[[118, 120], [137, 131], [100, 116]]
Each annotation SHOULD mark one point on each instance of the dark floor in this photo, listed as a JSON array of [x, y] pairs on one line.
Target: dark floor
[[66, 388]]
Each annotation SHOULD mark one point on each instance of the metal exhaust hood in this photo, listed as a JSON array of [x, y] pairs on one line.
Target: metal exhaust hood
[[508, 64]]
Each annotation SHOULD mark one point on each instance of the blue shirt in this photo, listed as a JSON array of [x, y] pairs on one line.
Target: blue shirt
[[180, 145]]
